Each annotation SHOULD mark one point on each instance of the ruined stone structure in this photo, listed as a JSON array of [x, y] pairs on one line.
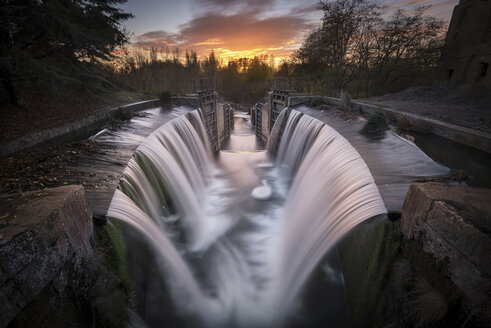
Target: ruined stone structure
[[466, 56]]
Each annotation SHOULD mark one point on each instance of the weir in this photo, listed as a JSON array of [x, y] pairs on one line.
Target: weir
[[229, 257]]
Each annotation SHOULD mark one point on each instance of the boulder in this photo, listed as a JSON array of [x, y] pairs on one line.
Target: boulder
[[452, 224], [46, 241]]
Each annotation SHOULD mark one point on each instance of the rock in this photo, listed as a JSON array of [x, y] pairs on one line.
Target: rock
[[452, 224], [46, 241]]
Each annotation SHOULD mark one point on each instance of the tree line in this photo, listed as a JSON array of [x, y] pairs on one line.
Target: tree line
[[359, 48], [241, 80]]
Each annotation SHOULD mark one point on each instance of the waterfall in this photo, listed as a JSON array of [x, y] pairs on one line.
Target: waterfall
[[168, 177], [172, 194], [333, 191], [298, 136], [123, 208]]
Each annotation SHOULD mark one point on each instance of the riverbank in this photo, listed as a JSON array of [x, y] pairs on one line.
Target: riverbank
[[47, 110]]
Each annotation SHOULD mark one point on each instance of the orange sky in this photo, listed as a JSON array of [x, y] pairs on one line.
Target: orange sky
[[239, 28]]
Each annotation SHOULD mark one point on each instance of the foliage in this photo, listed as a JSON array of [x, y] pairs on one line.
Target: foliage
[[165, 98], [246, 80], [243, 80], [317, 101], [360, 48], [345, 103], [376, 123], [56, 42]]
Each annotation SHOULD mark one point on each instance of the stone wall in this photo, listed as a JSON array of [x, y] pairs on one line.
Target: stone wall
[[430, 268], [46, 241], [466, 56], [452, 224]]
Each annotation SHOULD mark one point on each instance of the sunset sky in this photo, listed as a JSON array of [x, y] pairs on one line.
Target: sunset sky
[[239, 28]]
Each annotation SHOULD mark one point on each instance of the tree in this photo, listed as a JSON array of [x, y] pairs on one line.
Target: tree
[[331, 46], [357, 48], [56, 40]]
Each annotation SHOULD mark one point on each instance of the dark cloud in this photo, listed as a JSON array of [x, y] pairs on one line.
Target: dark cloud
[[156, 39], [438, 8], [307, 9], [237, 5]]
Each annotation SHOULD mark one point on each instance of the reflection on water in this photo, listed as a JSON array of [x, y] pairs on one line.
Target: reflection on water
[[456, 156]]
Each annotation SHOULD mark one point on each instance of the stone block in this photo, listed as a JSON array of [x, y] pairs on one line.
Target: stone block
[[45, 238], [452, 224]]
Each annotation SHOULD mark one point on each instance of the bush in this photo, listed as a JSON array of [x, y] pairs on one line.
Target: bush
[[165, 99], [346, 105], [376, 123], [317, 102]]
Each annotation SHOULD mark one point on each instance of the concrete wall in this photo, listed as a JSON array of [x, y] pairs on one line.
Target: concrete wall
[[74, 130], [472, 138], [224, 121], [190, 100], [208, 104], [265, 121]]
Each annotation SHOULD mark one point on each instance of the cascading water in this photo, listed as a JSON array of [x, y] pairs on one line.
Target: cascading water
[[252, 264], [333, 191]]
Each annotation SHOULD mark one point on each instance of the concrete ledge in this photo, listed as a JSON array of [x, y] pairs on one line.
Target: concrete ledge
[[46, 239], [469, 137], [190, 100], [452, 224], [74, 130]]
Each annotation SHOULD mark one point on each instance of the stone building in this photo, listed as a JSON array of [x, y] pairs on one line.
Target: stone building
[[466, 56]]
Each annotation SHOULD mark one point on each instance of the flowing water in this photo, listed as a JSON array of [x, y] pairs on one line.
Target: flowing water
[[229, 257]]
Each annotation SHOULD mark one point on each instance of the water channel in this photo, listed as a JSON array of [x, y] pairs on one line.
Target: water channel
[[242, 239]]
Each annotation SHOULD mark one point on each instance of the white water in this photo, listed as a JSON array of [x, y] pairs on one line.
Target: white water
[[172, 195], [333, 191]]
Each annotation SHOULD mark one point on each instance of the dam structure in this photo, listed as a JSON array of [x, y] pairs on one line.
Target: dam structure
[[211, 214], [237, 234]]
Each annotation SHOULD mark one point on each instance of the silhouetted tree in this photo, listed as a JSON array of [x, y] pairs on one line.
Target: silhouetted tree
[[359, 48], [53, 41]]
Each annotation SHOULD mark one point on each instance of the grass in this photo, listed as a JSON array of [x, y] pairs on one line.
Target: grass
[[376, 123], [431, 304]]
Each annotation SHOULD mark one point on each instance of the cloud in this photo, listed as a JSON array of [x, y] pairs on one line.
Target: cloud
[[247, 28], [156, 39], [440, 8], [237, 34], [236, 6]]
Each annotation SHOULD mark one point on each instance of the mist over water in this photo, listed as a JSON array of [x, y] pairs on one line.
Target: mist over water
[[228, 259]]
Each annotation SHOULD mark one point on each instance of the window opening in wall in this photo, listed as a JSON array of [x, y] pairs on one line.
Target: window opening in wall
[[449, 74], [484, 70]]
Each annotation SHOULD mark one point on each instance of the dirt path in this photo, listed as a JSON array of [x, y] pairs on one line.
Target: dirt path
[[464, 105]]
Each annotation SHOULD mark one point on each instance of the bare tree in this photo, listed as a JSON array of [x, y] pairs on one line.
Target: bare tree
[[357, 47]]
